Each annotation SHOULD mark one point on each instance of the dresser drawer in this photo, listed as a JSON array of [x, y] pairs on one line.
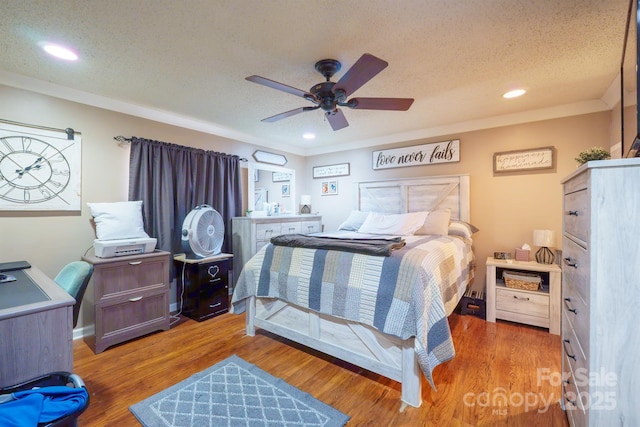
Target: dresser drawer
[[308, 227], [576, 215], [573, 400], [121, 277], [576, 315], [576, 333], [574, 356], [125, 316], [577, 183], [533, 303], [575, 269], [267, 231], [290, 228]]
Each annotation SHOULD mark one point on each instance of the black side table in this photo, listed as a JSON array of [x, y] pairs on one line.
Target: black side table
[[205, 283]]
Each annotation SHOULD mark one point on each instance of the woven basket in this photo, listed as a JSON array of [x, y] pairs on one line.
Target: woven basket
[[517, 280]]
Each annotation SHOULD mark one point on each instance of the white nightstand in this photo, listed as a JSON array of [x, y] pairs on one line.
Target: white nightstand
[[538, 308]]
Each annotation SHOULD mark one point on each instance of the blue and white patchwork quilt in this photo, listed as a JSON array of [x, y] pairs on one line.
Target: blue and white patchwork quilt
[[407, 294]]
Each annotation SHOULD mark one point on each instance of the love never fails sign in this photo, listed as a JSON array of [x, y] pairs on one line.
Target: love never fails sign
[[427, 154]]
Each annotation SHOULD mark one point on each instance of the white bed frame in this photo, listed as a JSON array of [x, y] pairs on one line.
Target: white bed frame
[[353, 342]]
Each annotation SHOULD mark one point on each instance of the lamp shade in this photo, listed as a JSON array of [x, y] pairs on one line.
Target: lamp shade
[[544, 238], [305, 199]]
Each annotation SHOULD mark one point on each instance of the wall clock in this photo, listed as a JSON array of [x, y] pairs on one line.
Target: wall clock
[[39, 170]]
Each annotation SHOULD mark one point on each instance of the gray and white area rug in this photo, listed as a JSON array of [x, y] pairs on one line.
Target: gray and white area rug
[[235, 393]]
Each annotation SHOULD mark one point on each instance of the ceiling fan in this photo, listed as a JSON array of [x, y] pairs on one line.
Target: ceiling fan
[[330, 95]]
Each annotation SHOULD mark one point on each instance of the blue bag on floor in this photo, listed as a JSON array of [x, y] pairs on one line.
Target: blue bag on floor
[[40, 405]]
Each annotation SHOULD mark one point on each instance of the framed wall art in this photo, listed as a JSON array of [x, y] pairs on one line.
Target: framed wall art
[[286, 190], [524, 160], [329, 188], [40, 170]]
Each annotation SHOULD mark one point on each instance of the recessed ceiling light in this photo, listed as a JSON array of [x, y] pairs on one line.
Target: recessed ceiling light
[[309, 136], [514, 93], [60, 51]]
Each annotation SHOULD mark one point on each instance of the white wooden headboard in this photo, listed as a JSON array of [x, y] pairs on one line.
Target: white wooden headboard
[[415, 194]]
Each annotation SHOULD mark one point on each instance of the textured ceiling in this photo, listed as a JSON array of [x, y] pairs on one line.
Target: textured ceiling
[[185, 61]]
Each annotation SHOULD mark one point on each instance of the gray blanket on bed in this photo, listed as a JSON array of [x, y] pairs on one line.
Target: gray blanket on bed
[[366, 246]]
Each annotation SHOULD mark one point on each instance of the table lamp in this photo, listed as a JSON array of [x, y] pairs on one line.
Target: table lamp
[[544, 239], [305, 204]]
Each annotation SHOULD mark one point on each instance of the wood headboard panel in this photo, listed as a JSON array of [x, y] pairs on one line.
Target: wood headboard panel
[[415, 194]]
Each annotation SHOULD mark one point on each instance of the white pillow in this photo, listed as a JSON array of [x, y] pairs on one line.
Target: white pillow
[[437, 223], [354, 221], [395, 224], [118, 220]]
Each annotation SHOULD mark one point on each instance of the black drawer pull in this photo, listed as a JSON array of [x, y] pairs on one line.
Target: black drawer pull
[[573, 213], [564, 344], [521, 298], [570, 263], [292, 229], [571, 309], [573, 402], [214, 305]]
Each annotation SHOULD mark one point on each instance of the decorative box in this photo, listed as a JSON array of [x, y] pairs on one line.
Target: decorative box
[[522, 254]]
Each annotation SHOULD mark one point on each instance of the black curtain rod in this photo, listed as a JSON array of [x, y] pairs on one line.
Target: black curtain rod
[[122, 140], [69, 131]]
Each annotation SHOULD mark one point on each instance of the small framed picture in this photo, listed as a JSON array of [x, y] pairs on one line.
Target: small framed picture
[[329, 188], [286, 190]]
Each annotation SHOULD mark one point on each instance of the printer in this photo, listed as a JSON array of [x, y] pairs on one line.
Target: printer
[[122, 247]]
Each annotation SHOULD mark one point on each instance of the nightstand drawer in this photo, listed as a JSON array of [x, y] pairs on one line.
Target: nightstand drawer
[[534, 304]]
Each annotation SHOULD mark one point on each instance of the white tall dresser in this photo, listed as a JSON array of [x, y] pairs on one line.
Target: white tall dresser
[[600, 292]]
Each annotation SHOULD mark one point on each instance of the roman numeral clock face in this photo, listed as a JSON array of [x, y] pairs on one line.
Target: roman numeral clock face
[[38, 175]]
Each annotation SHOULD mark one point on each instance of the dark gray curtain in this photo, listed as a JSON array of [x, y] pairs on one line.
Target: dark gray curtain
[[171, 180]]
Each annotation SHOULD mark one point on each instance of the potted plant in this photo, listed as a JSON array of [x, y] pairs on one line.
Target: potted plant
[[593, 153]]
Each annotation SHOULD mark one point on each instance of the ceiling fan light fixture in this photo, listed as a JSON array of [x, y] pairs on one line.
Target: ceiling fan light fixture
[[59, 51], [514, 93], [329, 95]]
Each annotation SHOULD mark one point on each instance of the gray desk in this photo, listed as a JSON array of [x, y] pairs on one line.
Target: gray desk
[[35, 337]]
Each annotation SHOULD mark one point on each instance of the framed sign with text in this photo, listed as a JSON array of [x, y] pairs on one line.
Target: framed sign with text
[[341, 169], [524, 160], [417, 155]]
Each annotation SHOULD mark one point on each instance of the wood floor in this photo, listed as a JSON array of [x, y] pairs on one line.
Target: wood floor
[[503, 374]]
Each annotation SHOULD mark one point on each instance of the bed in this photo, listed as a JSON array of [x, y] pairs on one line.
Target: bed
[[386, 314]]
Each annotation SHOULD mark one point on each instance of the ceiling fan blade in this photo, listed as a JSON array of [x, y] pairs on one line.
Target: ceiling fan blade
[[398, 104], [336, 119], [360, 73], [280, 86], [288, 114]]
